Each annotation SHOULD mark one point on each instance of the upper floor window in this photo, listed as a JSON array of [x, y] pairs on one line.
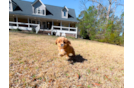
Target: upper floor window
[[40, 7], [38, 11], [9, 5], [64, 13]]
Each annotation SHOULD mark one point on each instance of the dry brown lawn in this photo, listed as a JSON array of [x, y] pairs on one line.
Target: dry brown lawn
[[34, 63]]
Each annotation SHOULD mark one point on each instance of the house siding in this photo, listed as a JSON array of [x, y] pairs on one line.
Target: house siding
[[10, 5]]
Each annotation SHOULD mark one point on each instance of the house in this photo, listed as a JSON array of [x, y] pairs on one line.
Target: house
[[27, 15]]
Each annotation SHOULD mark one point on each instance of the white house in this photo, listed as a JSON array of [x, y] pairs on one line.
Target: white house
[[44, 18]]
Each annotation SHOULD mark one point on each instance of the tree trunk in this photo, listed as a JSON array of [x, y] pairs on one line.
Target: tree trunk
[[108, 12], [109, 9]]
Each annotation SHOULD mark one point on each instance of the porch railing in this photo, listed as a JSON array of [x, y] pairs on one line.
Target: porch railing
[[61, 29], [16, 25]]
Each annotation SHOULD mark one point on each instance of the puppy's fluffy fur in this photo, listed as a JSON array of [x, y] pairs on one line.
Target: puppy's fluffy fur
[[64, 47]]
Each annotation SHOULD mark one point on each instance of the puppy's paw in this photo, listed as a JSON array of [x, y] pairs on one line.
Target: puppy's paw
[[67, 57], [60, 55]]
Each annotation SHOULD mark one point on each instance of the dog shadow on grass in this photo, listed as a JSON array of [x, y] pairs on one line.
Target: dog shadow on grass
[[76, 59]]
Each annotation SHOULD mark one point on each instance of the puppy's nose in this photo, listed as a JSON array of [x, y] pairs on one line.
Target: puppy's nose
[[62, 44]]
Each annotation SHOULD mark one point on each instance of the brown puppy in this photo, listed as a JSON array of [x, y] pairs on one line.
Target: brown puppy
[[64, 47]]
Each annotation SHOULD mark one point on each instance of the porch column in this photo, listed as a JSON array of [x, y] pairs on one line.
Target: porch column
[[46, 24], [17, 21], [76, 32], [69, 27], [38, 28], [41, 24], [61, 25], [52, 28], [28, 23], [38, 22], [52, 25]]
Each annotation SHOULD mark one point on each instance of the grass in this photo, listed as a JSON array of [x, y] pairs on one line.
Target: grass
[[34, 62]]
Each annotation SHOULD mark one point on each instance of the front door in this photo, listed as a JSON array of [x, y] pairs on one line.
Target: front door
[[44, 25]]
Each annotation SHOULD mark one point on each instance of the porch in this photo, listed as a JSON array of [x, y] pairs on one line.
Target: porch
[[48, 25]]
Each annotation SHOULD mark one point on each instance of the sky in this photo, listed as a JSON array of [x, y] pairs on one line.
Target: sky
[[77, 6]]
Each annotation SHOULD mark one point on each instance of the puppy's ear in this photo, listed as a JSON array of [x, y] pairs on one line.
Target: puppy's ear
[[68, 42]]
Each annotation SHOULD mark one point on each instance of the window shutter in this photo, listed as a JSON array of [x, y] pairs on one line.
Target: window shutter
[[38, 11], [43, 12], [34, 10]]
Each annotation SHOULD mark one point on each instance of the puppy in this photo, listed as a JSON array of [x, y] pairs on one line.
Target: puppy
[[64, 47]]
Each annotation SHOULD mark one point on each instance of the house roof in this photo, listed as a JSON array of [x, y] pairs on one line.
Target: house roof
[[65, 8], [37, 1], [26, 8]]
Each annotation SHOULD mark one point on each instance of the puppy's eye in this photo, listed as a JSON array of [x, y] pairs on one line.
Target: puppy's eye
[[64, 42], [59, 42]]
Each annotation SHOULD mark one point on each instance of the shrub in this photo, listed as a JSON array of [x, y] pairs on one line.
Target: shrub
[[33, 30], [84, 34], [18, 29], [71, 37]]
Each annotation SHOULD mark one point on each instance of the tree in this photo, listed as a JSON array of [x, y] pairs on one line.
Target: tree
[[101, 24], [81, 25], [88, 23], [107, 8]]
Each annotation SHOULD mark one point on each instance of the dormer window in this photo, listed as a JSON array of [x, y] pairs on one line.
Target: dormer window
[[10, 5], [64, 12], [39, 8]]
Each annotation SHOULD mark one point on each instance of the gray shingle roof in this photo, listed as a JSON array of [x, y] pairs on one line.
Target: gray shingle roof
[[26, 8]]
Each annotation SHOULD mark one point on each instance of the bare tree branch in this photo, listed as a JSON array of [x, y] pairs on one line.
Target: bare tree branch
[[120, 4], [98, 3], [107, 9], [117, 3], [114, 1], [83, 2]]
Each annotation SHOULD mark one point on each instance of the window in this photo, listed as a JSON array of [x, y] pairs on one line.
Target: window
[[33, 22], [64, 13], [15, 20], [9, 5], [38, 22], [38, 11], [29, 21]]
